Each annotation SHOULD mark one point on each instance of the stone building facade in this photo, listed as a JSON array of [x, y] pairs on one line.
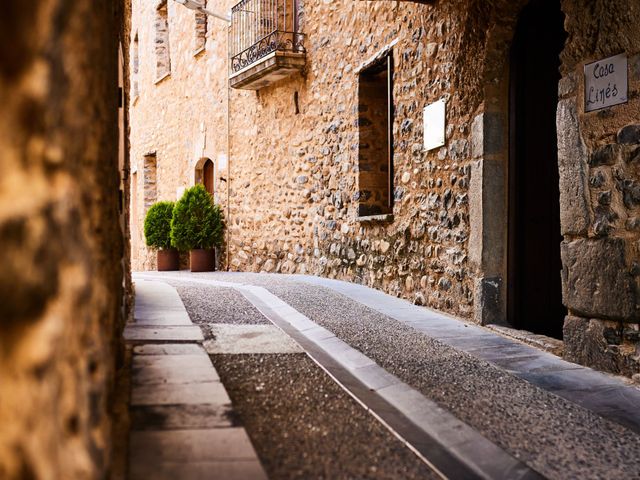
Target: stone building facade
[[63, 262], [525, 215]]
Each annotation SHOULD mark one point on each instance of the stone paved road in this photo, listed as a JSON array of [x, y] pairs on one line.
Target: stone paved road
[[303, 425], [551, 434]]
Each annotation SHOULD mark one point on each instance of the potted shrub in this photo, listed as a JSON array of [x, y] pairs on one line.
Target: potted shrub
[[197, 226], [157, 233]]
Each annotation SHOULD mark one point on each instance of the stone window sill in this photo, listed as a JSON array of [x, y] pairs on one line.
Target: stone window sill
[[160, 79], [199, 51], [384, 218]]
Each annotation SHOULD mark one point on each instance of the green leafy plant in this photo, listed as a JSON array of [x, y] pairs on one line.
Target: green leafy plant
[[157, 225], [197, 221]]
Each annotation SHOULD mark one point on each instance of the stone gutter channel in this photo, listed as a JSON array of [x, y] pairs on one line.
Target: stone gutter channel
[[447, 444]]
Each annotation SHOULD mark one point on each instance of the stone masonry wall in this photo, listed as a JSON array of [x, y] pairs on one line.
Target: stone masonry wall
[[600, 185], [295, 176], [180, 118], [62, 249]]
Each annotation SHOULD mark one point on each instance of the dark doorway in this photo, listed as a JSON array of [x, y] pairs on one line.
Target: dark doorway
[[534, 285], [207, 176]]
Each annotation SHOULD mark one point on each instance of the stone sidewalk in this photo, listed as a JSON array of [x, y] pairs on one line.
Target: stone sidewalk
[[182, 419]]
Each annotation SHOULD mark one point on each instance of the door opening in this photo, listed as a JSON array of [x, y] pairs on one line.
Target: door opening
[[207, 176], [534, 286]]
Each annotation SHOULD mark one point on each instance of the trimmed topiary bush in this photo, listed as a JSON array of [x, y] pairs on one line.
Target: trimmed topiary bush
[[157, 225], [197, 222]]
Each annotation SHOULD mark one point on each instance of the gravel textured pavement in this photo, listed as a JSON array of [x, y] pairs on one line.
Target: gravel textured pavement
[[303, 425], [217, 305], [552, 435]]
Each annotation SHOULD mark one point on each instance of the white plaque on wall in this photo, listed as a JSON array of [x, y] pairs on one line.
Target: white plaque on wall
[[434, 125], [605, 83], [222, 162]]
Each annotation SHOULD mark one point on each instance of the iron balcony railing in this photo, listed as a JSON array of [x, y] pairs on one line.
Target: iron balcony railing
[[260, 27]]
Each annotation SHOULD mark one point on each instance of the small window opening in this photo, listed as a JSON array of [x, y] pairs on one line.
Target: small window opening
[[136, 66], [201, 31], [205, 174], [150, 181], [134, 214], [375, 152], [163, 60]]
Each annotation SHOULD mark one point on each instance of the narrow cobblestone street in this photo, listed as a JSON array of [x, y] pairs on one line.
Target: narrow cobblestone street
[[324, 379]]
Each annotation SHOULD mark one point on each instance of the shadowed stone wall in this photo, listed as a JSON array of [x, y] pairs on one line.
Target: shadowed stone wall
[[61, 263], [599, 160]]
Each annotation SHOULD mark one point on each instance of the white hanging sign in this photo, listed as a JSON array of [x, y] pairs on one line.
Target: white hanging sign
[[605, 83]]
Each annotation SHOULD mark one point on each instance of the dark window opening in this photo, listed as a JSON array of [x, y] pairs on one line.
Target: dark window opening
[[201, 30], [150, 180], [375, 128], [163, 60]]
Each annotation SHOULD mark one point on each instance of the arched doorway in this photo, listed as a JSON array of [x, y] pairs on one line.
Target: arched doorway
[[207, 176], [534, 294]]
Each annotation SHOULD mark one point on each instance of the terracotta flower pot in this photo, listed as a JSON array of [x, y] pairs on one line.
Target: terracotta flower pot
[[203, 260], [168, 260]]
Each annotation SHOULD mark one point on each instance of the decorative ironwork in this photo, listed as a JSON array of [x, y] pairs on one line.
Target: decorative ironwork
[[261, 27], [275, 41]]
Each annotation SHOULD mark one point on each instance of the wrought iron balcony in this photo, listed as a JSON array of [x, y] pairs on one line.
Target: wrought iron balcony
[[265, 45]]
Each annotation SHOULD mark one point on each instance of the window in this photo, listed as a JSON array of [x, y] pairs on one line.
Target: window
[[201, 31], [134, 215], [375, 126], [136, 67], [150, 180], [163, 60]]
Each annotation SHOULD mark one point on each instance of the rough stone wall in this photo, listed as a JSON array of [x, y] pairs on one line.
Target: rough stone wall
[[180, 118], [600, 184], [61, 270], [295, 176]]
